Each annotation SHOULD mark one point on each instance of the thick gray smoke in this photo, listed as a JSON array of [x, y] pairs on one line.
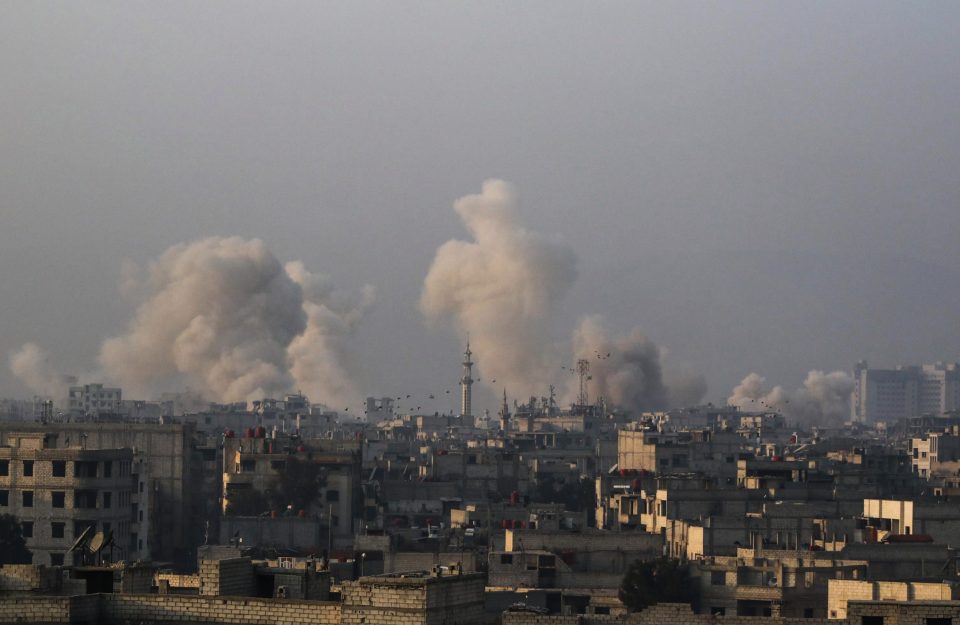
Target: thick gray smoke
[[318, 356], [225, 317], [33, 367], [628, 371], [824, 398], [500, 288], [624, 370]]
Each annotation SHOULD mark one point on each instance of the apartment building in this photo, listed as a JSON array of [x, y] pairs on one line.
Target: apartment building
[[56, 494]]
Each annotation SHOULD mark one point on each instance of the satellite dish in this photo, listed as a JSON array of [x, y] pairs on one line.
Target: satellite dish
[[98, 543], [81, 539]]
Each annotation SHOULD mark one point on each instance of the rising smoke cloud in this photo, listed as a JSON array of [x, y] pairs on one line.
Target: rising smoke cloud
[[824, 398], [502, 288], [624, 370], [33, 367], [225, 317]]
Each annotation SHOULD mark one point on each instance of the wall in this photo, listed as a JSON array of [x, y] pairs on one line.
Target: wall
[[841, 592], [414, 600], [232, 576], [229, 611], [662, 614]]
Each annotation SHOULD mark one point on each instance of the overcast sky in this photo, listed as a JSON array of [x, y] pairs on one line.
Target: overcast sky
[[759, 186]]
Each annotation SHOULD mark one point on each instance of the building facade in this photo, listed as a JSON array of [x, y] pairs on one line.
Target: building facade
[[56, 494], [891, 394]]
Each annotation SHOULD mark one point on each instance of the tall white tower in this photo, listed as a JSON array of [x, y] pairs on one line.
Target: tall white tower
[[466, 382]]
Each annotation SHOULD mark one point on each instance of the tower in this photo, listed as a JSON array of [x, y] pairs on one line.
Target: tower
[[466, 382], [504, 414], [583, 370]]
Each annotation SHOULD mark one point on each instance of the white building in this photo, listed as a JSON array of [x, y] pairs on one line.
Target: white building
[[890, 394], [94, 399]]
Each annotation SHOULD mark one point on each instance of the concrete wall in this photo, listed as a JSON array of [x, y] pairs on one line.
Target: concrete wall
[[662, 614], [414, 600], [261, 531], [841, 592], [229, 577]]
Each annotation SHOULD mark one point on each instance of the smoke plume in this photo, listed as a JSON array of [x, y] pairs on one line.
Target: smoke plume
[[629, 371], [624, 370], [32, 366], [225, 317], [317, 357], [500, 288], [824, 398]]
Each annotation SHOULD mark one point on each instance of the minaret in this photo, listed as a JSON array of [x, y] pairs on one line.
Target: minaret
[[505, 413], [466, 382]]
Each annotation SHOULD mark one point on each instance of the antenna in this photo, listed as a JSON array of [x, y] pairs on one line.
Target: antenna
[[583, 370]]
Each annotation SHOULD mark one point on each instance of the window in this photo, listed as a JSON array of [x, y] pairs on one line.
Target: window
[[107, 499], [506, 558], [56, 529], [4, 498], [80, 526], [808, 613], [4, 467], [59, 499], [718, 611], [107, 469], [333, 495], [59, 468], [871, 620], [56, 559], [85, 499], [26, 527], [28, 468], [86, 468], [718, 578], [28, 499], [939, 621]]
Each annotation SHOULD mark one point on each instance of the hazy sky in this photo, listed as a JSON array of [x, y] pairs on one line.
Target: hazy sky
[[759, 186]]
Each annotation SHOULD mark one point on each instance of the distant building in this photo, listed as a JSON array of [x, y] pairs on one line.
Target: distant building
[[891, 394], [94, 399]]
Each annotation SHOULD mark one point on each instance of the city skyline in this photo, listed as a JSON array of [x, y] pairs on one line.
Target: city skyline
[[777, 198]]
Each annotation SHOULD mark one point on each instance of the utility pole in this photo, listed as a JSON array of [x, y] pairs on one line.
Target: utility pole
[[330, 534]]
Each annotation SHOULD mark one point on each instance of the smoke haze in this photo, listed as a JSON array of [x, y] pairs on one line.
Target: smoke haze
[[32, 366], [824, 398], [500, 288], [225, 317]]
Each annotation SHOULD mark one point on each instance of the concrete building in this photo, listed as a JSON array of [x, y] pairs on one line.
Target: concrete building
[[94, 400], [934, 452], [891, 394], [169, 475], [254, 463], [56, 494], [759, 582]]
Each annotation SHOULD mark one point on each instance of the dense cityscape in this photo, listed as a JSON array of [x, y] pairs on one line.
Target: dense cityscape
[[540, 513], [537, 312]]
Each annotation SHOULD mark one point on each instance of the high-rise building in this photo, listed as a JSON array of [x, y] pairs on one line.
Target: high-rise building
[[890, 394]]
